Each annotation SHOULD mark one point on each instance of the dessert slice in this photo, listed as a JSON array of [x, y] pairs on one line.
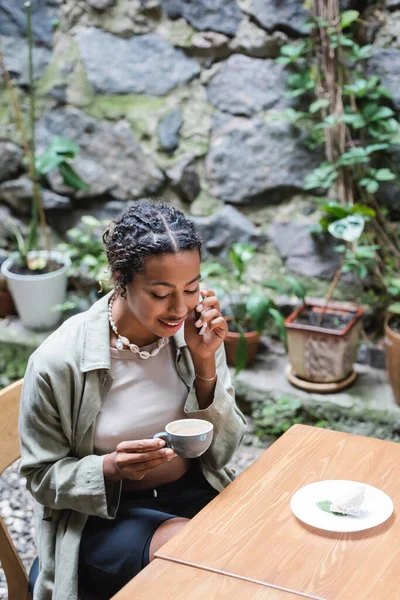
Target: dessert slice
[[350, 502]]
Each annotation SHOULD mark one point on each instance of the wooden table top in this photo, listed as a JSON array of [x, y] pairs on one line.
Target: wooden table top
[[249, 529], [171, 581]]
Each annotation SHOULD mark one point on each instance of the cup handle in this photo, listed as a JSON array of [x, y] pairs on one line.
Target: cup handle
[[162, 436]]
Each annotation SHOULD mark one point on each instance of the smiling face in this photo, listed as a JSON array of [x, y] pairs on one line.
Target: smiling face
[[159, 299]]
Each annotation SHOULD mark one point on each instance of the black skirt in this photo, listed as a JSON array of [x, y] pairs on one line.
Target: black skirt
[[113, 551]]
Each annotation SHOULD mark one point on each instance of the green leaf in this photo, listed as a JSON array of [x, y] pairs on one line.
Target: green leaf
[[279, 322], [21, 243], [355, 155], [91, 221], [362, 87], [373, 112], [275, 285], [241, 354], [240, 255], [296, 287], [318, 104], [348, 17], [363, 52], [62, 145], [71, 177], [372, 186], [89, 261], [385, 175], [394, 308], [325, 505], [324, 176], [292, 52], [348, 229], [47, 161], [335, 209], [366, 211], [355, 120], [212, 270], [258, 308]]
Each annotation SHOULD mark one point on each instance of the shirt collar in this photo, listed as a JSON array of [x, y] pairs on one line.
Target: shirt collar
[[96, 344]]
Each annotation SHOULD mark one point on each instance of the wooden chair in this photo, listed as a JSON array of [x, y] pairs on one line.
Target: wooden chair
[[17, 577]]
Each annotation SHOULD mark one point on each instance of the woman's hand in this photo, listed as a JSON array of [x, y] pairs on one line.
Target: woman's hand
[[203, 347], [134, 459]]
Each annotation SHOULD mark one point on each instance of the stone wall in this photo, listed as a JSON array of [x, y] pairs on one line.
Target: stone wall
[[177, 99]]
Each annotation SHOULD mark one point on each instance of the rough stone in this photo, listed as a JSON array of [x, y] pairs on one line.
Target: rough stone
[[303, 254], [100, 4], [392, 4], [386, 64], [185, 179], [5, 214], [388, 35], [110, 146], [223, 228], [288, 16], [10, 160], [254, 41], [94, 174], [65, 78], [150, 4], [245, 85], [16, 59], [178, 33], [18, 193], [168, 130], [124, 18], [253, 160], [214, 15], [144, 64], [13, 19], [210, 43]]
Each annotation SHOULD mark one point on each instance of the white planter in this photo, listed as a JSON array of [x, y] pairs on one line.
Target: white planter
[[35, 295]]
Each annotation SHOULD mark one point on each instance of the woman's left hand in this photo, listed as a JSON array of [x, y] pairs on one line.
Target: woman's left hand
[[205, 346]]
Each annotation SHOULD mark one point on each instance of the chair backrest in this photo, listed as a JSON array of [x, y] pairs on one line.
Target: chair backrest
[[17, 578]]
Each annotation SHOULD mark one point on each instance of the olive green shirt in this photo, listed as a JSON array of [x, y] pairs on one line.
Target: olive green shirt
[[65, 383]]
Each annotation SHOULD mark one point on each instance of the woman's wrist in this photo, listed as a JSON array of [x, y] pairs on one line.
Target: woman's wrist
[[205, 369], [110, 471]]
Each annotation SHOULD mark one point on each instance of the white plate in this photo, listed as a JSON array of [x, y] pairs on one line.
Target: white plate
[[376, 508]]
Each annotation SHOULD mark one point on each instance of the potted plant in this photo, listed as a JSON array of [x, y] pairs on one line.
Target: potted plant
[[346, 112], [247, 310], [37, 278], [392, 337], [323, 336]]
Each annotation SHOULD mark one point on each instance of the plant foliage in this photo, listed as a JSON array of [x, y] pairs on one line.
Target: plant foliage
[[349, 113]]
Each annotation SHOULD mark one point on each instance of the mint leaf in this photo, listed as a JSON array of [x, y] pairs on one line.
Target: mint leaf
[[325, 505]]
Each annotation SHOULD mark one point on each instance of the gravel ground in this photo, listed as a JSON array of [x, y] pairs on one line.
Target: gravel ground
[[16, 504]]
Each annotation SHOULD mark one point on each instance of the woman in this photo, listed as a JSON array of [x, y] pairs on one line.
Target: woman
[[95, 392]]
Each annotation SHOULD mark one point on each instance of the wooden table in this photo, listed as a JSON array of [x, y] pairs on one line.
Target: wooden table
[[249, 529], [165, 580]]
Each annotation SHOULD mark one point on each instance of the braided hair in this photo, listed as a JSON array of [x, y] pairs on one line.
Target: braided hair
[[146, 229]]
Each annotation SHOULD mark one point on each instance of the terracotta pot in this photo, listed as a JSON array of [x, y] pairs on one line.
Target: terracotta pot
[[7, 306], [323, 355], [392, 343], [231, 342]]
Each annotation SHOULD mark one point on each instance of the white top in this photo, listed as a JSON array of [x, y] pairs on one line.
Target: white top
[[144, 396]]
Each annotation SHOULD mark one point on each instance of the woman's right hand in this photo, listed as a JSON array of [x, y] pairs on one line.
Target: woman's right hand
[[134, 459]]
